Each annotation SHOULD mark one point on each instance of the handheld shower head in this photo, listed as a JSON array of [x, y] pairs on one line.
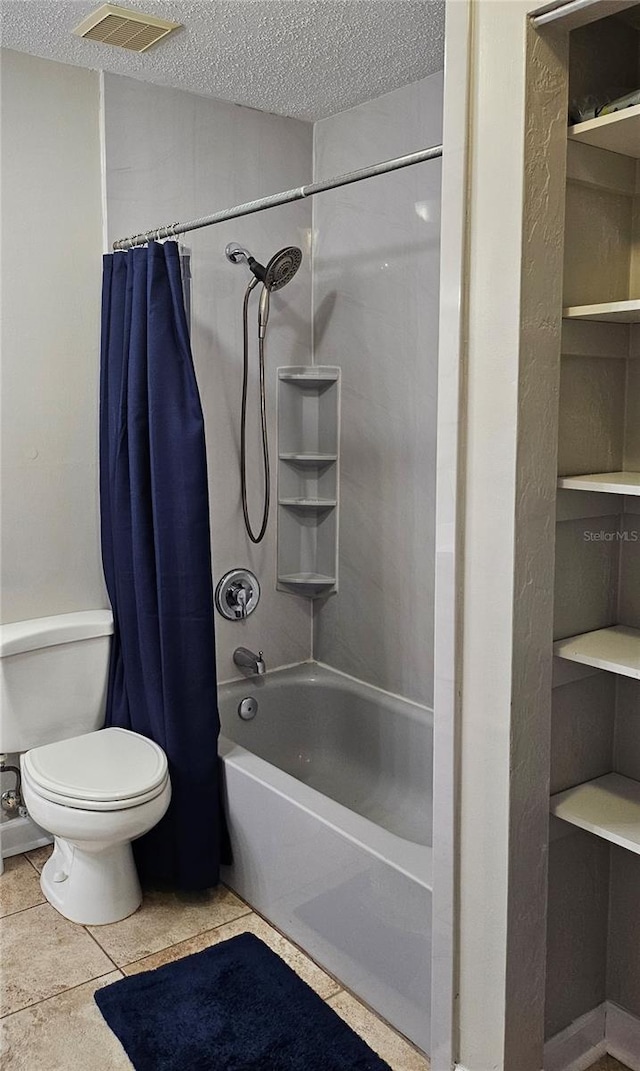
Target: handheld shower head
[[279, 271], [282, 267]]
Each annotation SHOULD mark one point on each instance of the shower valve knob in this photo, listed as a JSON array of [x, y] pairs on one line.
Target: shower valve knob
[[237, 594]]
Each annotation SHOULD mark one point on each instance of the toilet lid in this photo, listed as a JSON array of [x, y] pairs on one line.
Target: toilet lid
[[103, 767]]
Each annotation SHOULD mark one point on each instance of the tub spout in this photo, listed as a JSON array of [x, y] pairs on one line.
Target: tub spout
[[246, 659]]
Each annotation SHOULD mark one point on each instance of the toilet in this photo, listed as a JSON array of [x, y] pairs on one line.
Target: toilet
[[95, 790]]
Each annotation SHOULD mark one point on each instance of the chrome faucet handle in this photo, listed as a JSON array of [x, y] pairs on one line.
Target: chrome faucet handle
[[241, 601]]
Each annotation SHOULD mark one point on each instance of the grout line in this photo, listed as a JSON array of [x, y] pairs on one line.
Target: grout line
[[21, 910], [103, 950], [174, 944], [60, 993], [31, 863]]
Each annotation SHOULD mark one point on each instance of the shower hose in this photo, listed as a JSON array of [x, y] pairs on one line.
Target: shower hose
[[263, 424]]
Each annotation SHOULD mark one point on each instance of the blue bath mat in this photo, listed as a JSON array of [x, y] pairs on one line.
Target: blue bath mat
[[234, 1007]]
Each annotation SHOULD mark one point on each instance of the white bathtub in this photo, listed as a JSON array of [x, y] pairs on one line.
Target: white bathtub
[[329, 803]]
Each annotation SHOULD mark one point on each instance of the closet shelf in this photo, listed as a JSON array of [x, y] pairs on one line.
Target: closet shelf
[[616, 649], [615, 483], [608, 807], [310, 459], [618, 132], [308, 503], [610, 312]]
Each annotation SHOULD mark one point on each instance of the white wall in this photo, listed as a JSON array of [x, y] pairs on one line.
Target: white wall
[[376, 289], [510, 360], [173, 155], [51, 250]]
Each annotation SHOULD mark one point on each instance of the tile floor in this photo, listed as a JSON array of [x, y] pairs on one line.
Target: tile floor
[[52, 967]]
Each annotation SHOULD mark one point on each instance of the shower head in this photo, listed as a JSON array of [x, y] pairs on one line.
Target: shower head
[[279, 271], [282, 267]]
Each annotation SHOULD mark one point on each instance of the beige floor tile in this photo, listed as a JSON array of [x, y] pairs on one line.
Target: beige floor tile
[[64, 1033], [39, 856], [19, 886], [398, 1053], [44, 954], [166, 919], [323, 984]]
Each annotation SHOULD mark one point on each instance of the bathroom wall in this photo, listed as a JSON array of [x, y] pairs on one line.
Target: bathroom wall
[[376, 290], [52, 242], [172, 155]]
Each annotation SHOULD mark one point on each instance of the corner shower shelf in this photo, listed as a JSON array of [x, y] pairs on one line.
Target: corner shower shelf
[[308, 503], [309, 377], [614, 483], [314, 582], [308, 449], [616, 649], [610, 312], [608, 807], [309, 459], [618, 132]]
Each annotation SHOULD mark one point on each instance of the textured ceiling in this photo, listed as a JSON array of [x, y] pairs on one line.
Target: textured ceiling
[[302, 58]]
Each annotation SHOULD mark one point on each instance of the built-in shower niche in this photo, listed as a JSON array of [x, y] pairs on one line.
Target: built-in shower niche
[[308, 467]]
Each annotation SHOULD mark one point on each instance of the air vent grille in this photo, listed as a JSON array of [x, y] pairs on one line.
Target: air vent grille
[[122, 28]]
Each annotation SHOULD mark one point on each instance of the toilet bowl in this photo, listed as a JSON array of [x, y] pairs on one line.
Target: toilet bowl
[[95, 793]]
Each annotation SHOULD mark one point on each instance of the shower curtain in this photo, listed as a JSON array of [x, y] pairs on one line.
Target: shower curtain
[[156, 555]]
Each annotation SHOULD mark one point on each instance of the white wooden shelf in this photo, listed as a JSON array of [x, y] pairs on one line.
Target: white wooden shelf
[[310, 459], [609, 312], [616, 649], [608, 807], [618, 132], [615, 483]]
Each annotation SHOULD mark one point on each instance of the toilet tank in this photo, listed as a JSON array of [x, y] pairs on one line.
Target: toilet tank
[[53, 678]]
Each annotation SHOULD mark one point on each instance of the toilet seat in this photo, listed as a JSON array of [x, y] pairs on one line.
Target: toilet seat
[[108, 770]]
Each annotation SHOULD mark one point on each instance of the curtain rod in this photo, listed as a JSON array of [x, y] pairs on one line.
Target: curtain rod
[[275, 199]]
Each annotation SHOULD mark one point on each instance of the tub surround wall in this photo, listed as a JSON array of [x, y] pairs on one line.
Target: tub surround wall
[[375, 297], [52, 244], [174, 155]]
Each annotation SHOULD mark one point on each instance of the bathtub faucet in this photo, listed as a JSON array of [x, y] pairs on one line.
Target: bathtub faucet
[[246, 659]]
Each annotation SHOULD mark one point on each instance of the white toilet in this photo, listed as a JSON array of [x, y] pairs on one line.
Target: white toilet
[[94, 789]]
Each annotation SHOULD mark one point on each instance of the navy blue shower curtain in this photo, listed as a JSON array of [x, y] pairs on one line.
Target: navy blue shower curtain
[[156, 554]]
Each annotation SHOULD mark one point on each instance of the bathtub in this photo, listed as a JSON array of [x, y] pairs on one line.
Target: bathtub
[[329, 794]]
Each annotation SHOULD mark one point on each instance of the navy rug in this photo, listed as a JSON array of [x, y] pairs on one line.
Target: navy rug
[[234, 1007]]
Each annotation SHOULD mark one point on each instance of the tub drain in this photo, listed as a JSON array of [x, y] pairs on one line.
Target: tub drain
[[248, 708]]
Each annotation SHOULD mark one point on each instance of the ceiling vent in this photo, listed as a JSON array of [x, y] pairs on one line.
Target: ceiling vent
[[123, 28]]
